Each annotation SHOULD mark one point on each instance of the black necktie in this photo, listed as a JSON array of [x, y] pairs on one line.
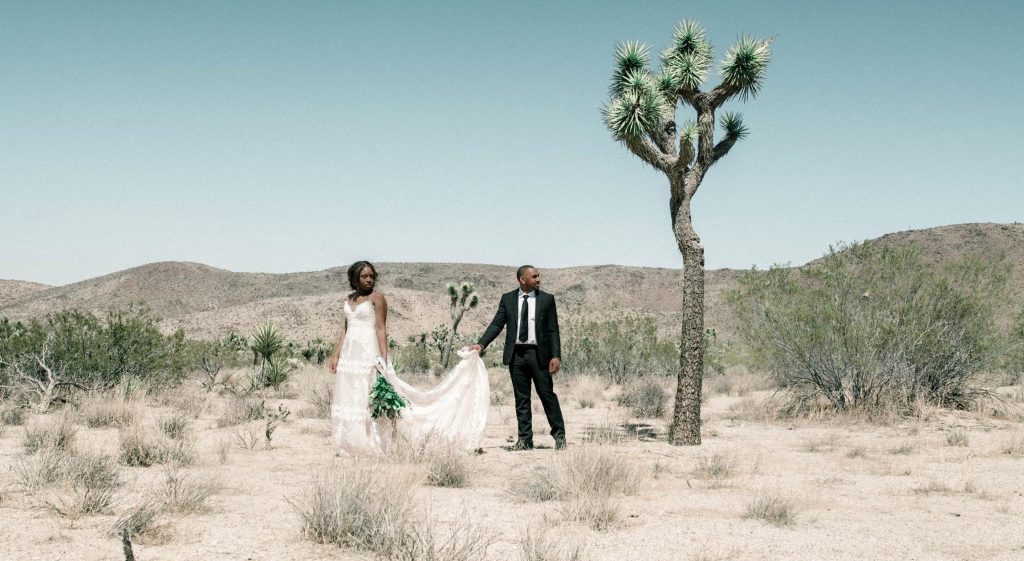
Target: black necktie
[[524, 319]]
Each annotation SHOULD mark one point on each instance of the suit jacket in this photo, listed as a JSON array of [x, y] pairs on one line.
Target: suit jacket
[[549, 344]]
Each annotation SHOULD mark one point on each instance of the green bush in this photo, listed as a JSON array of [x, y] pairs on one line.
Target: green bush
[[86, 351], [645, 397], [875, 328], [621, 349]]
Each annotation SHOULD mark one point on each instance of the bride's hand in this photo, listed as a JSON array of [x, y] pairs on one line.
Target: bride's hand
[[333, 365]]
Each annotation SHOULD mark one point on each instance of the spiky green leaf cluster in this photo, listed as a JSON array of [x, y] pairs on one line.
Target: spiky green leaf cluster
[[638, 104], [732, 123], [688, 59], [631, 57], [744, 65], [385, 401]]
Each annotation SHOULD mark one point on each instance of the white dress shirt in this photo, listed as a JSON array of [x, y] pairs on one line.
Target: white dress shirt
[[531, 338]]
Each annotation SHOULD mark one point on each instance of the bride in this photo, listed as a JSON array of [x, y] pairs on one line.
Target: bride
[[455, 409]]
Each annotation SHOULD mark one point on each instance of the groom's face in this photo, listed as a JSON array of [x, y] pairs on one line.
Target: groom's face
[[530, 280]]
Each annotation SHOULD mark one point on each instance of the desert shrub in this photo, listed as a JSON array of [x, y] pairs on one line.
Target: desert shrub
[[93, 478], [241, 409], [932, 486], [143, 520], [715, 468], [368, 508], [645, 397], [904, 448], [958, 437], [620, 349], [82, 350], [772, 508], [42, 468], [109, 409], [588, 391], [875, 328], [187, 494], [537, 486], [1014, 446], [317, 390], [58, 433], [143, 447], [538, 544], [11, 414], [599, 512], [411, 358], [174, 426], [447, 466], [1013, 357]]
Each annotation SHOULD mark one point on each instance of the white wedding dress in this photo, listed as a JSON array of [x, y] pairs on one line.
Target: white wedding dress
[[454, 410]]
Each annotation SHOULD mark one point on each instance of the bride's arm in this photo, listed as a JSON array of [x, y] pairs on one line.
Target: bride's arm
[[335, 356], [380, 306]]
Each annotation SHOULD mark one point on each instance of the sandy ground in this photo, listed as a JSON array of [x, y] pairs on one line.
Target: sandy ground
[[859, 490]]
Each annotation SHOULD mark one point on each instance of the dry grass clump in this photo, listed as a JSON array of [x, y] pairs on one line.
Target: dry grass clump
[[174, 426], [56, 433], [187, 494], [958, 437], [1014, 446], [464, 542], [316, 390], [824, 444], [94, 478], [369, 508], [143, 447], [904, 448], [588, 391], [932, 486], [588, 479], [537, 486], [248, 437], [857, 452], [109, 409], [447, 466], [143, 522], [537, 543], [43, 467], [241, 409], [714, 469], [773, 508], [645, 397], [11, 415]]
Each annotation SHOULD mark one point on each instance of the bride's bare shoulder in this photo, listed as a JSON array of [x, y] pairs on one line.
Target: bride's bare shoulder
[[378, 298]]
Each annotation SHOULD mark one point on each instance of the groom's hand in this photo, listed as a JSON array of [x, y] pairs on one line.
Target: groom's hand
[[554, 366]]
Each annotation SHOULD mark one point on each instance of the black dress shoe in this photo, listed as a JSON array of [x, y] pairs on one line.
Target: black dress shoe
[[522, 445], [560, 442]]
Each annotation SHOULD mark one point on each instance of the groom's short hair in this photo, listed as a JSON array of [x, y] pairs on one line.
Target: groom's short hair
[[522, 271]]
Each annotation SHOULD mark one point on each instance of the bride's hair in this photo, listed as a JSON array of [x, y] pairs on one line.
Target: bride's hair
[[356, 269]]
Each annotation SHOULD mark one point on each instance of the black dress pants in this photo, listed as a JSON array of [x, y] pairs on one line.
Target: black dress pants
[[526, 368]]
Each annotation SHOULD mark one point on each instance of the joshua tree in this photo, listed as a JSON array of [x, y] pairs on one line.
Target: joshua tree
[[642, 115], [463, 298]]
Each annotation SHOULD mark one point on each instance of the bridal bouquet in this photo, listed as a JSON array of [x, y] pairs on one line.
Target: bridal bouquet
[[384, 400]]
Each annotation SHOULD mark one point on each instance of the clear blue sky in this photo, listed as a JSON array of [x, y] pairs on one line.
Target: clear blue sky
[[270, 137]]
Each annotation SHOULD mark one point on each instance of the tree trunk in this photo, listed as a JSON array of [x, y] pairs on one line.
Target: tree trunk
[[456, 319], [685, 427]]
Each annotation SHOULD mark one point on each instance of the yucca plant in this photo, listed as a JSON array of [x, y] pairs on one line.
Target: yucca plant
[[641, 113], [463, 298], [267, 340]]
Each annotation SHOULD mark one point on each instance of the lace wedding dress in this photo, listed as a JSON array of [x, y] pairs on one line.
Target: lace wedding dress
[[454, 410]]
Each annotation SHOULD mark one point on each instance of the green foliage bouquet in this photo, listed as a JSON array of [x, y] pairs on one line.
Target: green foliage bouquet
[[384, 400]]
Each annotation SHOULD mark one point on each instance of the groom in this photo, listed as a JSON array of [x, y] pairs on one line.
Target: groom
[[532, 351]]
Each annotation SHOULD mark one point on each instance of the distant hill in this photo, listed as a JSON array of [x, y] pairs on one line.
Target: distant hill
[[208, 302], [13, 290]]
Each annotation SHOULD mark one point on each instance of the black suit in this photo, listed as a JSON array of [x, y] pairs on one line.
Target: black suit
[[528, 362]]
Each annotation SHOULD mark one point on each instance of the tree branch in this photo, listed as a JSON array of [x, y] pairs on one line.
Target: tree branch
[[722, 92], [648, 152], [723, 147]]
